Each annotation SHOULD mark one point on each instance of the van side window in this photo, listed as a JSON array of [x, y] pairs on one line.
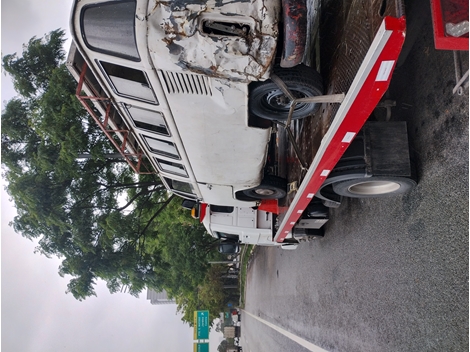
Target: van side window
[[129, 82], [172, 167], [162, 147], [180, 187], [110, 28], [152, 121]]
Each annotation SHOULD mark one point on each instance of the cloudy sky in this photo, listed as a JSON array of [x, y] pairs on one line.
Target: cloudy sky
[[37, 315]]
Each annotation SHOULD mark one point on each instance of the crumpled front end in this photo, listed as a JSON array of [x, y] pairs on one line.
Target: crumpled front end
[[233, 40]]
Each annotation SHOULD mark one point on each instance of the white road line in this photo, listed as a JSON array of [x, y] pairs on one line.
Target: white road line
[[304, 343]]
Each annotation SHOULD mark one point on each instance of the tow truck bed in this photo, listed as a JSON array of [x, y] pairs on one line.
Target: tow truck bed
[[360, 41]]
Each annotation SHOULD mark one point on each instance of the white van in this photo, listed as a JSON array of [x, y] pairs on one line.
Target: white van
[[183, 87]]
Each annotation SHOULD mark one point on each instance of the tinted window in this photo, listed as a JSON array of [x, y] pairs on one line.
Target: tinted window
[[129, 82], [162, 147], [221, 209], [180, 187], [110, 28], [171, 167], [148, 120]]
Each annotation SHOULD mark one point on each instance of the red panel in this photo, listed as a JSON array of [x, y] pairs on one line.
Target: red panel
[[449, 11], [269, 205], [202, 211]]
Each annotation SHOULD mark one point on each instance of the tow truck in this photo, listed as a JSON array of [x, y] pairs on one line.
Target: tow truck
[[333, 153]]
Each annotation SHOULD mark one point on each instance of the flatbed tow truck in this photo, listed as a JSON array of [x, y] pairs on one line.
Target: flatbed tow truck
[[152, 74], [336, 153]]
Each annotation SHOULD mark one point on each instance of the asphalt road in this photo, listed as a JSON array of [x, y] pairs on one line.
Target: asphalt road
[[390, 274]]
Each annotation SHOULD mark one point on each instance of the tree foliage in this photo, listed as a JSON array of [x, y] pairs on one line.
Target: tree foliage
[[94, 213], [32, 71], [222, 346]]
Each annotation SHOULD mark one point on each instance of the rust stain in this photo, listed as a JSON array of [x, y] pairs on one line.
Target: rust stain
[[295, 31]]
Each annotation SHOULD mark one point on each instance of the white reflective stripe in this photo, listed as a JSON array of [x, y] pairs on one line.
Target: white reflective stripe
[[384, 71], [348, 137]]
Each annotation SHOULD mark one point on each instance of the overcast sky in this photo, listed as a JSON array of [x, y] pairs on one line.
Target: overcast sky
[[37, 315]]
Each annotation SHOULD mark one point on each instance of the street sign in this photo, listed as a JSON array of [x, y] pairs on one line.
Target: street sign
[[201, 324], [201, 347]]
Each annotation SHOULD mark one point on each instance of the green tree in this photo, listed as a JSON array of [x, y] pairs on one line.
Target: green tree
[[208, 294], [70, 204], [93, 212], [222, 346], [31, 72]]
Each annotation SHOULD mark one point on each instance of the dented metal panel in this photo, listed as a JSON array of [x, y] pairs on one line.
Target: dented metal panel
[[235, 40]]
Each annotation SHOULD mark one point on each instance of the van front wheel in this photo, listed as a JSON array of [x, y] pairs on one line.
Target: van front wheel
[[272, 187]]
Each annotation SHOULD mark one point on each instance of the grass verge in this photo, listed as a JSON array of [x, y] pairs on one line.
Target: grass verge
[[243, 269]]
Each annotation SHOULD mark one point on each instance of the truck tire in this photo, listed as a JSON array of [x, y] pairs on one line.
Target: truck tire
[[374, 187], [272, 187], [267, 101]]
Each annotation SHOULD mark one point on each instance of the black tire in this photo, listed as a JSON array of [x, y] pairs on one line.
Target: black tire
[[374, 187], [272, 187], [267, 101], [240, 195]]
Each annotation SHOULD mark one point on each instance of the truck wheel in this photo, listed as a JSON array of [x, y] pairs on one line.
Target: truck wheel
[[269, 102], [373, 187], [272, 187]]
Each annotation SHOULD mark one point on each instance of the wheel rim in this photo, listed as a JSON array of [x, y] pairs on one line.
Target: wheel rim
[[277, 101], [374, 187], [265, 191]]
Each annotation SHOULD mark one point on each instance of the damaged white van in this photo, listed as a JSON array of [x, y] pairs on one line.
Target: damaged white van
[[183, 88]]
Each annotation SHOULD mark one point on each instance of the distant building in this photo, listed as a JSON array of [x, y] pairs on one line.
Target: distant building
[[159, 297]]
